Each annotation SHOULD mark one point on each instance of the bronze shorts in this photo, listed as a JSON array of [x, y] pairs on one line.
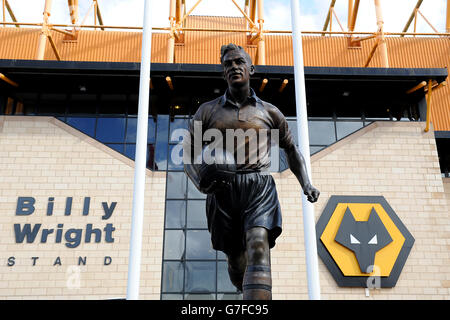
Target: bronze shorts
[[249, 201]]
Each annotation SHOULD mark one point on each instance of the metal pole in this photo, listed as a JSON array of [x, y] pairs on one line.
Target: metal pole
[[382, 44], [312, 265], [137, 218], [44, 31]]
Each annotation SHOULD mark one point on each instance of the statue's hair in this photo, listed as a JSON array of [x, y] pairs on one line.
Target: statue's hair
[[232, 47]]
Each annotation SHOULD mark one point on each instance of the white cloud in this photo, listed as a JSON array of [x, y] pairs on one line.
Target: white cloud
[[277, 13]]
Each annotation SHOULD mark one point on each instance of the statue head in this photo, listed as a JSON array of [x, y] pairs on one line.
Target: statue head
[[237, 65]]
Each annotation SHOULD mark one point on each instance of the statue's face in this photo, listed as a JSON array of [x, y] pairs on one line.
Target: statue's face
[[237, 70]]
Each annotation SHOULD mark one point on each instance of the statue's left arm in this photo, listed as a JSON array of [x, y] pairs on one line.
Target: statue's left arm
[[295, 159]]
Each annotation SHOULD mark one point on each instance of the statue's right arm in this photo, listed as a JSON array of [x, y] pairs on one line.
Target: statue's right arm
[[192, 148], [190, 168]]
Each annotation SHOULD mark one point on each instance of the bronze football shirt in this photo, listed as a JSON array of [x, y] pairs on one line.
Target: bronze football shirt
[[254, 117]]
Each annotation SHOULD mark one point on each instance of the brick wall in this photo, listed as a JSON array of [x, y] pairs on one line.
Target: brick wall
[[42, 157], [397, 160], [446, 182]]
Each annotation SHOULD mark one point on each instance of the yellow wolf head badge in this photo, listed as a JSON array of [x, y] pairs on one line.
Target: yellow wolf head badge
[[364, 238], [362, 241]]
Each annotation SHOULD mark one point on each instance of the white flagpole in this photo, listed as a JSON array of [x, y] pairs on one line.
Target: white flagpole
[[134, 259], [312, 266]]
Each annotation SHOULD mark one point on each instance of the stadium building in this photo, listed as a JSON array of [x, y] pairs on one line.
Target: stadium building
[[379, 125]]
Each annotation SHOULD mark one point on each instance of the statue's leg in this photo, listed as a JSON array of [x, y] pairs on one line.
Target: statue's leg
[[236, 268], [257, 278]]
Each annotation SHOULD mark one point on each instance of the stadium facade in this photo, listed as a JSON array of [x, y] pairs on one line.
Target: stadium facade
[[68, 137]]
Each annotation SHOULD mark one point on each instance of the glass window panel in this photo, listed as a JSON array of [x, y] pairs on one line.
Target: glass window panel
[[53, 97], [28, 97], [196, 214], [274, 158], [112, 107], [223, 279], [151, 157], [321, 132], [175, 213], [348, 108], [378, 118], [119, 147], [193, 192], [85, 125], [200, 277], [113, 97], [293, 128], [176, 185], [221, 255], [344, 128], [190, 296], [177, 124], [283, 161], [168, 296], [162, 142], [113, 103], [151, 130], [173, 244], [83, 103], [110, 129], [28, 109], [54, 103], [130, 150], [133, 103], [314, 149], [176, 157], [376, 112], [173, 273], [132, 129], [229, 296], [198, 245]]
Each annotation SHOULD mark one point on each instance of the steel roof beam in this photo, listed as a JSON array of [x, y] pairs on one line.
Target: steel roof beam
[[11, 13], [327, 19], [413, 15]]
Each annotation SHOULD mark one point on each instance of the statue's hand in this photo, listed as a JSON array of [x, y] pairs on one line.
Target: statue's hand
[[311, 192]]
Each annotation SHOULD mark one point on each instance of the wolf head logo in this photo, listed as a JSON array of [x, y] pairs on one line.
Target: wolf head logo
[[364, 238]]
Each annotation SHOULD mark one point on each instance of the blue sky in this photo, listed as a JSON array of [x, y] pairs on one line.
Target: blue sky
[[277, 12]]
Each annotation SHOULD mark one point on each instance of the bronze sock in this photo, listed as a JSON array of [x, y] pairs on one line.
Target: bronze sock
[[257, 283]]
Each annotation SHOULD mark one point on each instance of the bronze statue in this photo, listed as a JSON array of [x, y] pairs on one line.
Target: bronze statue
[[243, 212]]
